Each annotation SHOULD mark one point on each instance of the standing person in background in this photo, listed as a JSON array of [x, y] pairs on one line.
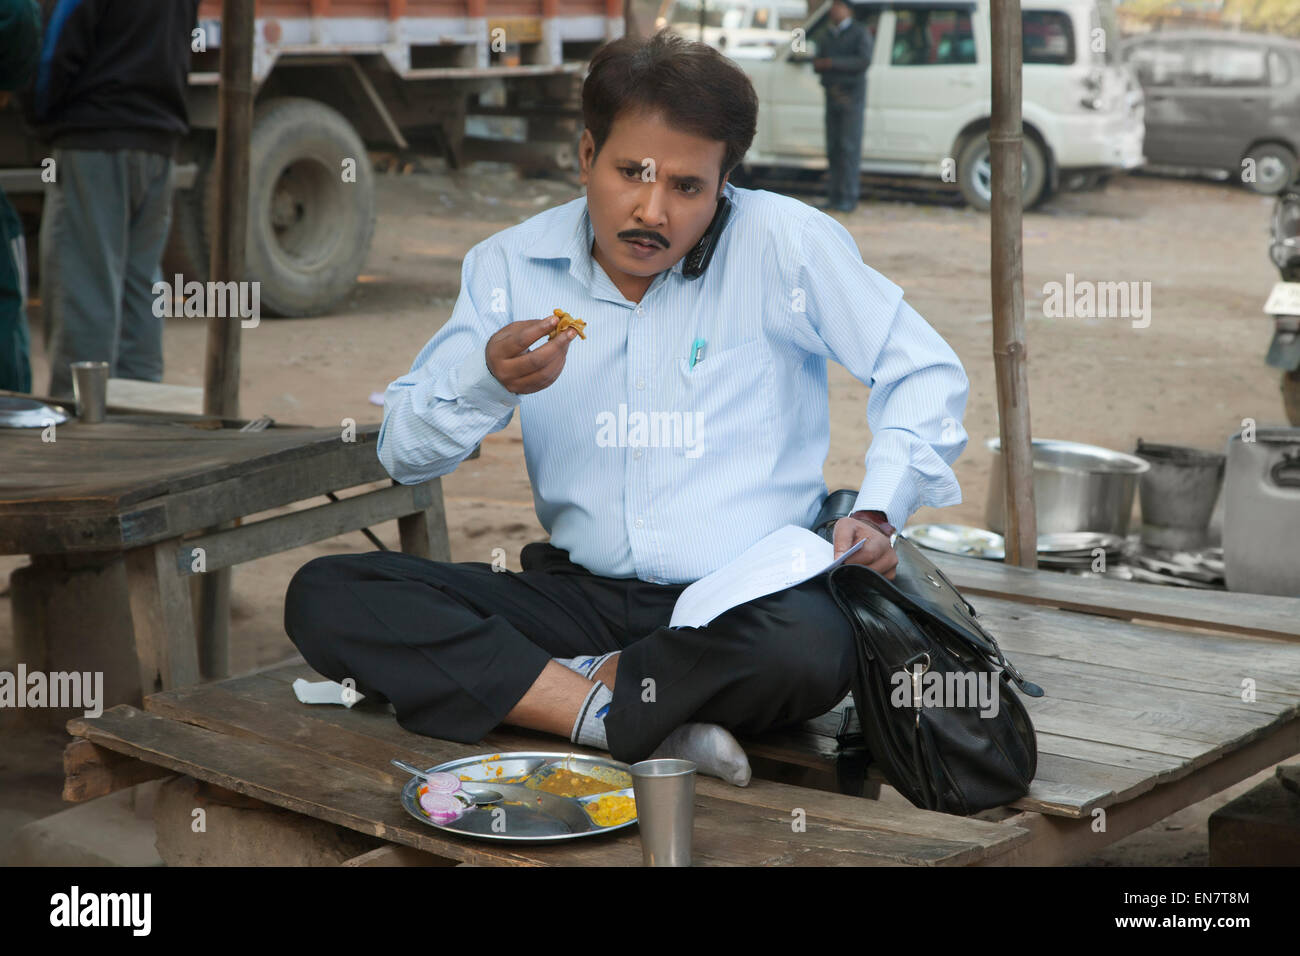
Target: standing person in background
[[842, 60], [110, 99], [20, 47]]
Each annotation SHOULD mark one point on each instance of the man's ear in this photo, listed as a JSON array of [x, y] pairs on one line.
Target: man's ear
[[586, 155]]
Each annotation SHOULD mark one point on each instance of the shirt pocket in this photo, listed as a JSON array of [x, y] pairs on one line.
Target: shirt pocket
[[726, 403]]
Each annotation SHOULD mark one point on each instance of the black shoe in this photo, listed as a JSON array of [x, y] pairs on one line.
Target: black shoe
[[846, 207]]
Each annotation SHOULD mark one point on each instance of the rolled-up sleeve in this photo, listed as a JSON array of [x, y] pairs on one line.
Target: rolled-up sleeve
[[449, 401], [918, 386]]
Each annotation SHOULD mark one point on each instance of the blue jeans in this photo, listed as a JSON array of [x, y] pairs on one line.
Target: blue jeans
[[15, 367], [106, 220]]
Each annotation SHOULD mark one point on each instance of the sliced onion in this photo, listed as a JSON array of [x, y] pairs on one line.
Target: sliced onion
[[442, 782], [441, 807]]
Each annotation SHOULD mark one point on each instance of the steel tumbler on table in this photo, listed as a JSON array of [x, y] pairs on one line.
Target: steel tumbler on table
[[90, 387], [665, 809]]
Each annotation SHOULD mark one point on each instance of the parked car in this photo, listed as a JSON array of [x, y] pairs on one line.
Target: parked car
[[1228, 102], [929, 96], [738, 27]]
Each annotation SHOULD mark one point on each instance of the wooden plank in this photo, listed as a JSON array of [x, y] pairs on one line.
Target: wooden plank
[[1114, 755], [127, 393], [91, 771], [1135, 646], [1107, 724], [259, 489], [1085, 680], [726, 832], [397, 855], [785, 799], [1057, 841], [1240, 613], [114, 464], [223, 549], [424, 533], [164, 625], [365, 738]]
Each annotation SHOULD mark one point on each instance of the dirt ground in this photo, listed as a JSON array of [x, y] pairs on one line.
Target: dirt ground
[[1188, 378]]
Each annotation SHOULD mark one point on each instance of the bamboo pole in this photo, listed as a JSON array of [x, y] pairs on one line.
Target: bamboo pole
[[234, 132], [1010, 356], [226, 264]]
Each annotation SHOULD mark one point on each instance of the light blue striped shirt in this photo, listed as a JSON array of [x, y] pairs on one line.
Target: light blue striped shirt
[[642, 466]]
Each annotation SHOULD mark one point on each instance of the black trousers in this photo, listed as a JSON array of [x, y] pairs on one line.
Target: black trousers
[[845, 116], [454, 646]]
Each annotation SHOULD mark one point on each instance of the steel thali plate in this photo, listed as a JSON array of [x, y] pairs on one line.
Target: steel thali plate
[[28, 413], [525, 815]]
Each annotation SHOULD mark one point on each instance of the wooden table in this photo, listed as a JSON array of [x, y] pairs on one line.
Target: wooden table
[[1138, 722], [252, 736], [153, 489]]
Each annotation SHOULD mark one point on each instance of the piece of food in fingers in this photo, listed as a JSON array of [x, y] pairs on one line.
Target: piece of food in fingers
[[566, 322]]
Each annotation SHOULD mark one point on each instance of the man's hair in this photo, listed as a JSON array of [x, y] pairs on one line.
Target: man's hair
[[696, 88]]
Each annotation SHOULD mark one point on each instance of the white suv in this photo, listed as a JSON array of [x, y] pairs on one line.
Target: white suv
[[929, 96]]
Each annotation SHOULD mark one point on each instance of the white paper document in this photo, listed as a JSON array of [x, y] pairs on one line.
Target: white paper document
[[786, 557]]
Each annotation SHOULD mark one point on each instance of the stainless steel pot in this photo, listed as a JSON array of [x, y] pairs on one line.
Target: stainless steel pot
[[1076, 487]]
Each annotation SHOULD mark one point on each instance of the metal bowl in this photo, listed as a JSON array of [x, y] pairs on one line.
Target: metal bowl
[[1076, 487]]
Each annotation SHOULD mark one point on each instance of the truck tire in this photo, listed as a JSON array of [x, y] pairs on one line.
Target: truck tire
[[309, 230], [187, 249], [1291, 397], [974, 172]]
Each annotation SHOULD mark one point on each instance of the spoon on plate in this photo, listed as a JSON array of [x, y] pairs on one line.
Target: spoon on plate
[[479, 797]]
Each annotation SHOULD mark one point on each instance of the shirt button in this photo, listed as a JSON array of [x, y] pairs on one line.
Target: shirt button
[[640, 310], [640, 523], [638, 453], [640, 384]]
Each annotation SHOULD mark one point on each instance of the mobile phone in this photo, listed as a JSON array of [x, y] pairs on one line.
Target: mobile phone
[[697, 260]]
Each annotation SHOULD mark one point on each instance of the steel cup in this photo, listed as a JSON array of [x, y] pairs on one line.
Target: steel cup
[[665, 809], [90, 386]]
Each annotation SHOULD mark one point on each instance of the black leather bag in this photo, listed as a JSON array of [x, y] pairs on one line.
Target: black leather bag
[[912, 633]]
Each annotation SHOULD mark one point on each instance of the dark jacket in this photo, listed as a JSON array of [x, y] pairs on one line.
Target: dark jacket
[[849, 51], [20, 41], [112, 73]]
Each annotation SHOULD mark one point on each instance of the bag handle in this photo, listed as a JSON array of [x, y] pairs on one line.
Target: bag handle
[[1286, 473]]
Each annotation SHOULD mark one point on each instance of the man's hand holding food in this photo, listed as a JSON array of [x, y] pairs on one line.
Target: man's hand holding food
[[522, 371]]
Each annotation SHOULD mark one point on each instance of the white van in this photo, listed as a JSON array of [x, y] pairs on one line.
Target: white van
[[736, 27], [929, 96]]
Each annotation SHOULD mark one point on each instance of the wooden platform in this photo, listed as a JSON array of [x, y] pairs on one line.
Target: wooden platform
[[1138, 721], [252, 736]]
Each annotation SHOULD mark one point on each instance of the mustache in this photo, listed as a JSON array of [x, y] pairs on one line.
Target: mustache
[[645, 235]]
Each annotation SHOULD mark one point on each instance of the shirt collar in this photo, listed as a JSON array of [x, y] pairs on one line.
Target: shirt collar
[[843, 25], [571, 238]]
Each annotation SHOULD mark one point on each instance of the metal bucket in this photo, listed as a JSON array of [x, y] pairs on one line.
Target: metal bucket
[[1178, 495], [1076, 487], [1261, 513]]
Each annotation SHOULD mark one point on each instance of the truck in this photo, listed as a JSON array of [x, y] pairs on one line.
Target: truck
[[335, 78]]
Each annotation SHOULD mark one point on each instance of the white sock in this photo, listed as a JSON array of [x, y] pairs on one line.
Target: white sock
[[586, 665], [712, 747], [589, 727]]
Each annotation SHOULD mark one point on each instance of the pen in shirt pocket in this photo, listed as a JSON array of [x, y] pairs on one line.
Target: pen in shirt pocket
[[697, 351]]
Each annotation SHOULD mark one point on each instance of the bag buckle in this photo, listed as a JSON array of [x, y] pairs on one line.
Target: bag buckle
[[916, 669]]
